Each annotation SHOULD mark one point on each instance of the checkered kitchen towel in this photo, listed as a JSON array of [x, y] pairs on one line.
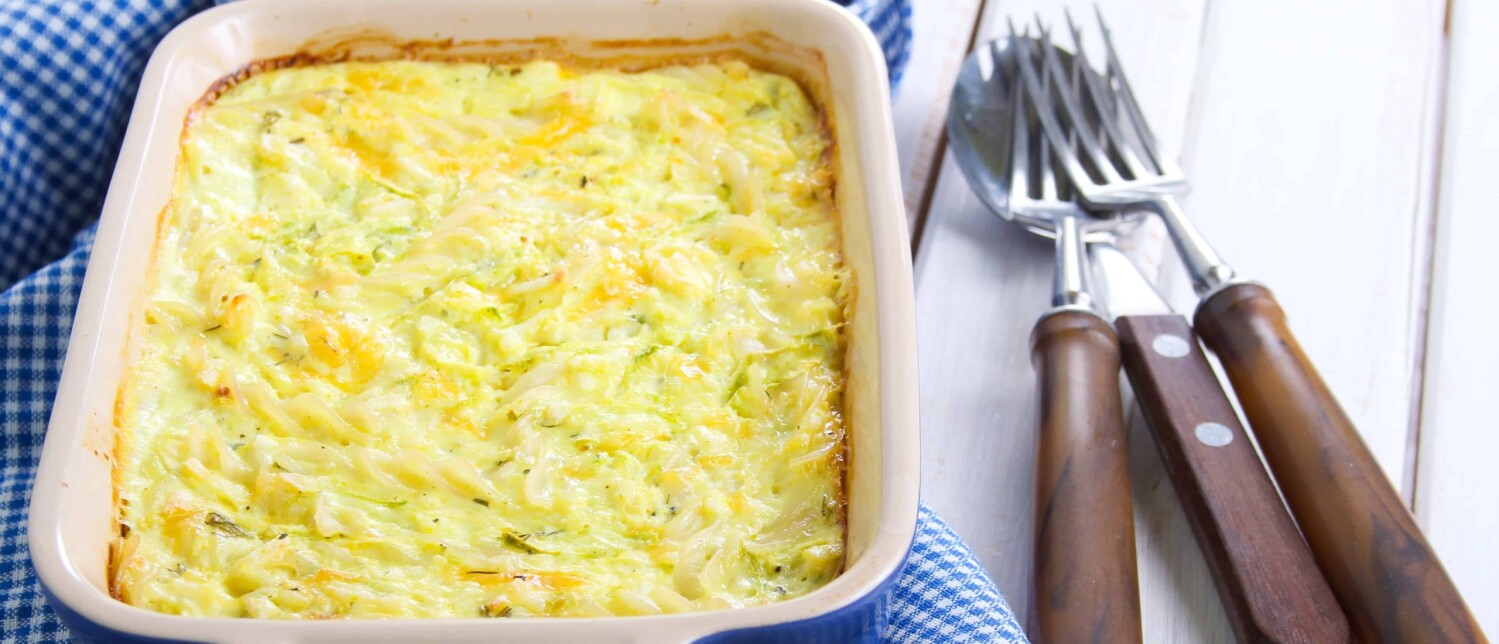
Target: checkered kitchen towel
[[67, 76]]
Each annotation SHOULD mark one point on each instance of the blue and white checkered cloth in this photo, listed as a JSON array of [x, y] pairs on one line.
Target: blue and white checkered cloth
[[68, 71], [890, 20]]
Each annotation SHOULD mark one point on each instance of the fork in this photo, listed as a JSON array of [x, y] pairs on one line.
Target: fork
[[1086, 581], [1379, 565]]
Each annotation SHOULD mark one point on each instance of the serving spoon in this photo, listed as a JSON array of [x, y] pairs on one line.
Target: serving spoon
[[1085, 574], [1085, 569]]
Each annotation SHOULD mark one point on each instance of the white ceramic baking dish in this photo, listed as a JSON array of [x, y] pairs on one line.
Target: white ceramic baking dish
[[72, 520]]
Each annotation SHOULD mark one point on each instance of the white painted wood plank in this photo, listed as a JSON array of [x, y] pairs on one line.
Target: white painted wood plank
[[1310, 164], [940, 30], [1457, 486], [981, 283]]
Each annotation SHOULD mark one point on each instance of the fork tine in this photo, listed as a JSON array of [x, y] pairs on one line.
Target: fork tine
[[1066, 96], [1019, 132], [1124, 96], [1049, 189], [1078, 64], [1029, 74], [1043, 149], [1130, 143], [996, 56], [1114, 69], [1101, 99]]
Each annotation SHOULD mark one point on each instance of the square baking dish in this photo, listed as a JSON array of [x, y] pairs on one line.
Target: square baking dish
[[72, 518]]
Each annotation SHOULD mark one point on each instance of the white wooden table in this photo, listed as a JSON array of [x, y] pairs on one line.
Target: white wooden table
[[1343, 152]]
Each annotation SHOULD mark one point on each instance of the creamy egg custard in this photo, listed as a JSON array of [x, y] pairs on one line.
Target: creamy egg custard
[[435, 339]]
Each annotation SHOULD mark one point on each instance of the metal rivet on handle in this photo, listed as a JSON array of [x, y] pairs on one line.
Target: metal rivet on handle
[[1214, 435], [1171, 346]]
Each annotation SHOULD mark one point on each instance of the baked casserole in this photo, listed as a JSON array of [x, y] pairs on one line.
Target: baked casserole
[[449, 339]]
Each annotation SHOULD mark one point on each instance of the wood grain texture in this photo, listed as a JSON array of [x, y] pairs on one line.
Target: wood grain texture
[[1313, 161], [981, 283], [940, 31], [1457, 486], [1266, 576], [1379, 564], [1087, 589], [1308, 155]]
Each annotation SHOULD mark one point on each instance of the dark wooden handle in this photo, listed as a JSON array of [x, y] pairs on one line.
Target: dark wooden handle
[[1265, 573], [1379, 565], [1086, 585]]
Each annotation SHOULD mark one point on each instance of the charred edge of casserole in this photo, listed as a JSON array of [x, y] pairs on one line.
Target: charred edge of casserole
[[117, 467], [513, 52], [850, 302], [117, 454], [116, 474], [443, 51]]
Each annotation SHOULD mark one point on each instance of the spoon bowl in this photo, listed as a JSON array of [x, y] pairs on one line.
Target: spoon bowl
[[980, 124], [1084, 521]]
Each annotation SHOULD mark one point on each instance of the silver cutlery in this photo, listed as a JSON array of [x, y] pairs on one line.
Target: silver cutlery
[[1379, 565], [1265, 573]]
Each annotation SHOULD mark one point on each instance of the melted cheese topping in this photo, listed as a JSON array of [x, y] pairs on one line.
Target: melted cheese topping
[[440, 339]]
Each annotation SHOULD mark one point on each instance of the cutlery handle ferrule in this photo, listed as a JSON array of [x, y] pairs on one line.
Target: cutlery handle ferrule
[[1072, 287], [1208, 270], [1086, 582], [1378, 563]]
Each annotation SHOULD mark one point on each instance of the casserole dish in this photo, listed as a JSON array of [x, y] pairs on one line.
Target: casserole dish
[[72, 520]]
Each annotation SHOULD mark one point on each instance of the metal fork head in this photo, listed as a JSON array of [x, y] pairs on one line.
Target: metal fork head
[[1094, 124], [1038, 192], [1039, 198], [983, 132]]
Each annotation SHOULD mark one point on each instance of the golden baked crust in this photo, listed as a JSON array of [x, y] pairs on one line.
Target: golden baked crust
[[441, 339]]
